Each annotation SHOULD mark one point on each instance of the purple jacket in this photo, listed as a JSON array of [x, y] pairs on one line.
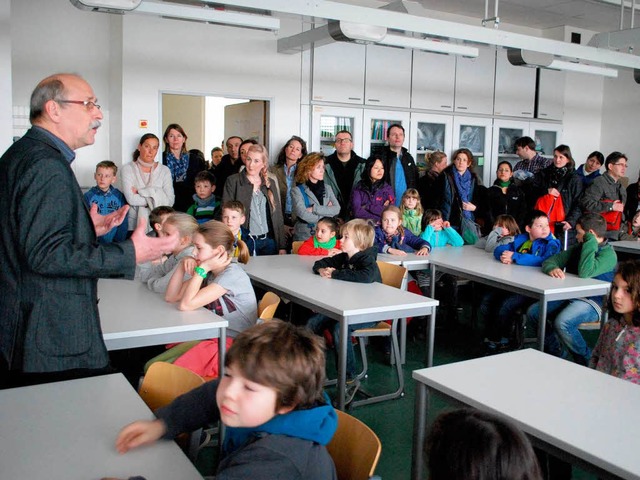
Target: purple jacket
[[369, 204], [409, 243]]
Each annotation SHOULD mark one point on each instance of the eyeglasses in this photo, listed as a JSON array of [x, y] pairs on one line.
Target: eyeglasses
[[343, 140], [620, 164], [87, 103]]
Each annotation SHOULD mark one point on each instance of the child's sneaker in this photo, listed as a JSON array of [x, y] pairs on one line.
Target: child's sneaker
[[352, 387]]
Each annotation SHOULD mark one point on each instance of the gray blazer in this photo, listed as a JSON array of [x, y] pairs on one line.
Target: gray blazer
[[50, 262], [304, 219]]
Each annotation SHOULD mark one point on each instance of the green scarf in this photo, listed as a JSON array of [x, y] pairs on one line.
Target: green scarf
[[326, 245], [504, 184]]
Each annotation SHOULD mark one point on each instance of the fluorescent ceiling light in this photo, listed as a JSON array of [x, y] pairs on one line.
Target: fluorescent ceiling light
[[428, 45], [207, 14], [582, 68]]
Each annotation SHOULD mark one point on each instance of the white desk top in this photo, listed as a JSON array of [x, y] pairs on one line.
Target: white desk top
[[67, 430], [359, 302], [133, 316], [586, 413], [410, 261], [483, 267], [627, 246]]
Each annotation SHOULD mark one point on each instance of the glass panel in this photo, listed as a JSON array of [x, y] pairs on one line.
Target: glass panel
[[378, 134], [329, 126], [473, 137], [546, 142], [506, 140], [430, 137]]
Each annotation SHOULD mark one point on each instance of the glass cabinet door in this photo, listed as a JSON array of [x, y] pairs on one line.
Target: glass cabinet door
[[327, 121], [547, 137], [475, 135], [429, 133]]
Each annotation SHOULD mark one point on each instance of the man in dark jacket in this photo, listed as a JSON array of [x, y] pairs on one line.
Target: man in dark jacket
[[400, 169], [50, 259]]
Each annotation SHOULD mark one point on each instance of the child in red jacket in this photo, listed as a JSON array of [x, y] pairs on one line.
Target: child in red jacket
[[324, 241]]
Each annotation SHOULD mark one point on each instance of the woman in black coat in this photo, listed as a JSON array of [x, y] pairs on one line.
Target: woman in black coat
[[560, 179], [505, 197]]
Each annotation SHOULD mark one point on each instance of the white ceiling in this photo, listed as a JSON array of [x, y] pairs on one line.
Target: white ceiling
[[594, 15]]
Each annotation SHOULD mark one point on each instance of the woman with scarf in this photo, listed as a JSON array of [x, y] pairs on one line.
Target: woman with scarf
[[561, 181], [372, 194], [184, 166], [311, 198], [146, 183], [505, 197], [461, 193]]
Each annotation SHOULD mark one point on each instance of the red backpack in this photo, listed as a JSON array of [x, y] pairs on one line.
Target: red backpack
[[552, 206]]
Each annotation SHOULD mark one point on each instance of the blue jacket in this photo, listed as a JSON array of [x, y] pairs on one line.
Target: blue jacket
[[541, 249], [290, 446], [407, 243], [446, 236], [109, 202]]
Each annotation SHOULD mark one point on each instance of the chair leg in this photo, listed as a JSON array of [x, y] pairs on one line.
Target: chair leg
[[395, 352]]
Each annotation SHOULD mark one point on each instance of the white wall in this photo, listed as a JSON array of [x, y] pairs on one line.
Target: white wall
[[182, 57], [6, 105], [582, 114], [51, 36], [621, 119]]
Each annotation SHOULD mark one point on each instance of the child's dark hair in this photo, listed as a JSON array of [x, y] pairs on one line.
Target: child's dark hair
[[471, 444], [630, 273], [155, 216], [508, 222], [594, 222], [234, 205], [284, 357], [429, 215], [411, 193], [204, 176], [216, 233], [533, 215], [330, 222], [107, 164]]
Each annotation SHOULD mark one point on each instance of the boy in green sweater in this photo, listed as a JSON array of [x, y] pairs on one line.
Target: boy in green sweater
[[591, 257]]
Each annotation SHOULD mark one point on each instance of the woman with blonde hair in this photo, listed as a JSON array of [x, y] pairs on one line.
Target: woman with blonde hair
[[259, 194]]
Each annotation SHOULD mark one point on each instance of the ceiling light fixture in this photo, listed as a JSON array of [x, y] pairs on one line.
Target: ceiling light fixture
[[582, 68], [207, 14], [429, 45]]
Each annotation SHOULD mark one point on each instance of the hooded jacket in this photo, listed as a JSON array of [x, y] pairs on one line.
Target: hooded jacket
[[541, 249], [360, 268], [290, 446]]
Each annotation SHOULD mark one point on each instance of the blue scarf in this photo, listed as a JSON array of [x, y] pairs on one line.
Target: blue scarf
[[464, 185], [178, 167]]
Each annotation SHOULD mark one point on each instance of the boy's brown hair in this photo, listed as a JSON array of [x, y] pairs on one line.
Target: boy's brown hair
[[107, 164], [204, 176], [284, 357], [234, 205], [155, 216], [361, 232]]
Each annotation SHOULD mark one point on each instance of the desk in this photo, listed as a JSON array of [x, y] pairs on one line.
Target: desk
[[410, 261], [290, 276], [133, 316], [482, 267], [627, 246], [68, 430], [584, 416]]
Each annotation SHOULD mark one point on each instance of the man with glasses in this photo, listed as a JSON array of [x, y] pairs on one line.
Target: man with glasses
[[343, 169], [606, 194], [50, 259]]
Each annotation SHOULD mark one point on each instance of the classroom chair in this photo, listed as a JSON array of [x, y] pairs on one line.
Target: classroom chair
[[296, 246], [267, 306], [164, 382], [354, 448], [394, 276]]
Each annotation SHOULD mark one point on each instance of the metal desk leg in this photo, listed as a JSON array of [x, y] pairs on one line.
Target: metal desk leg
[[222, 351], [431, 326], [342, 362], [542, 323], [420, 415], [403, 340]]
